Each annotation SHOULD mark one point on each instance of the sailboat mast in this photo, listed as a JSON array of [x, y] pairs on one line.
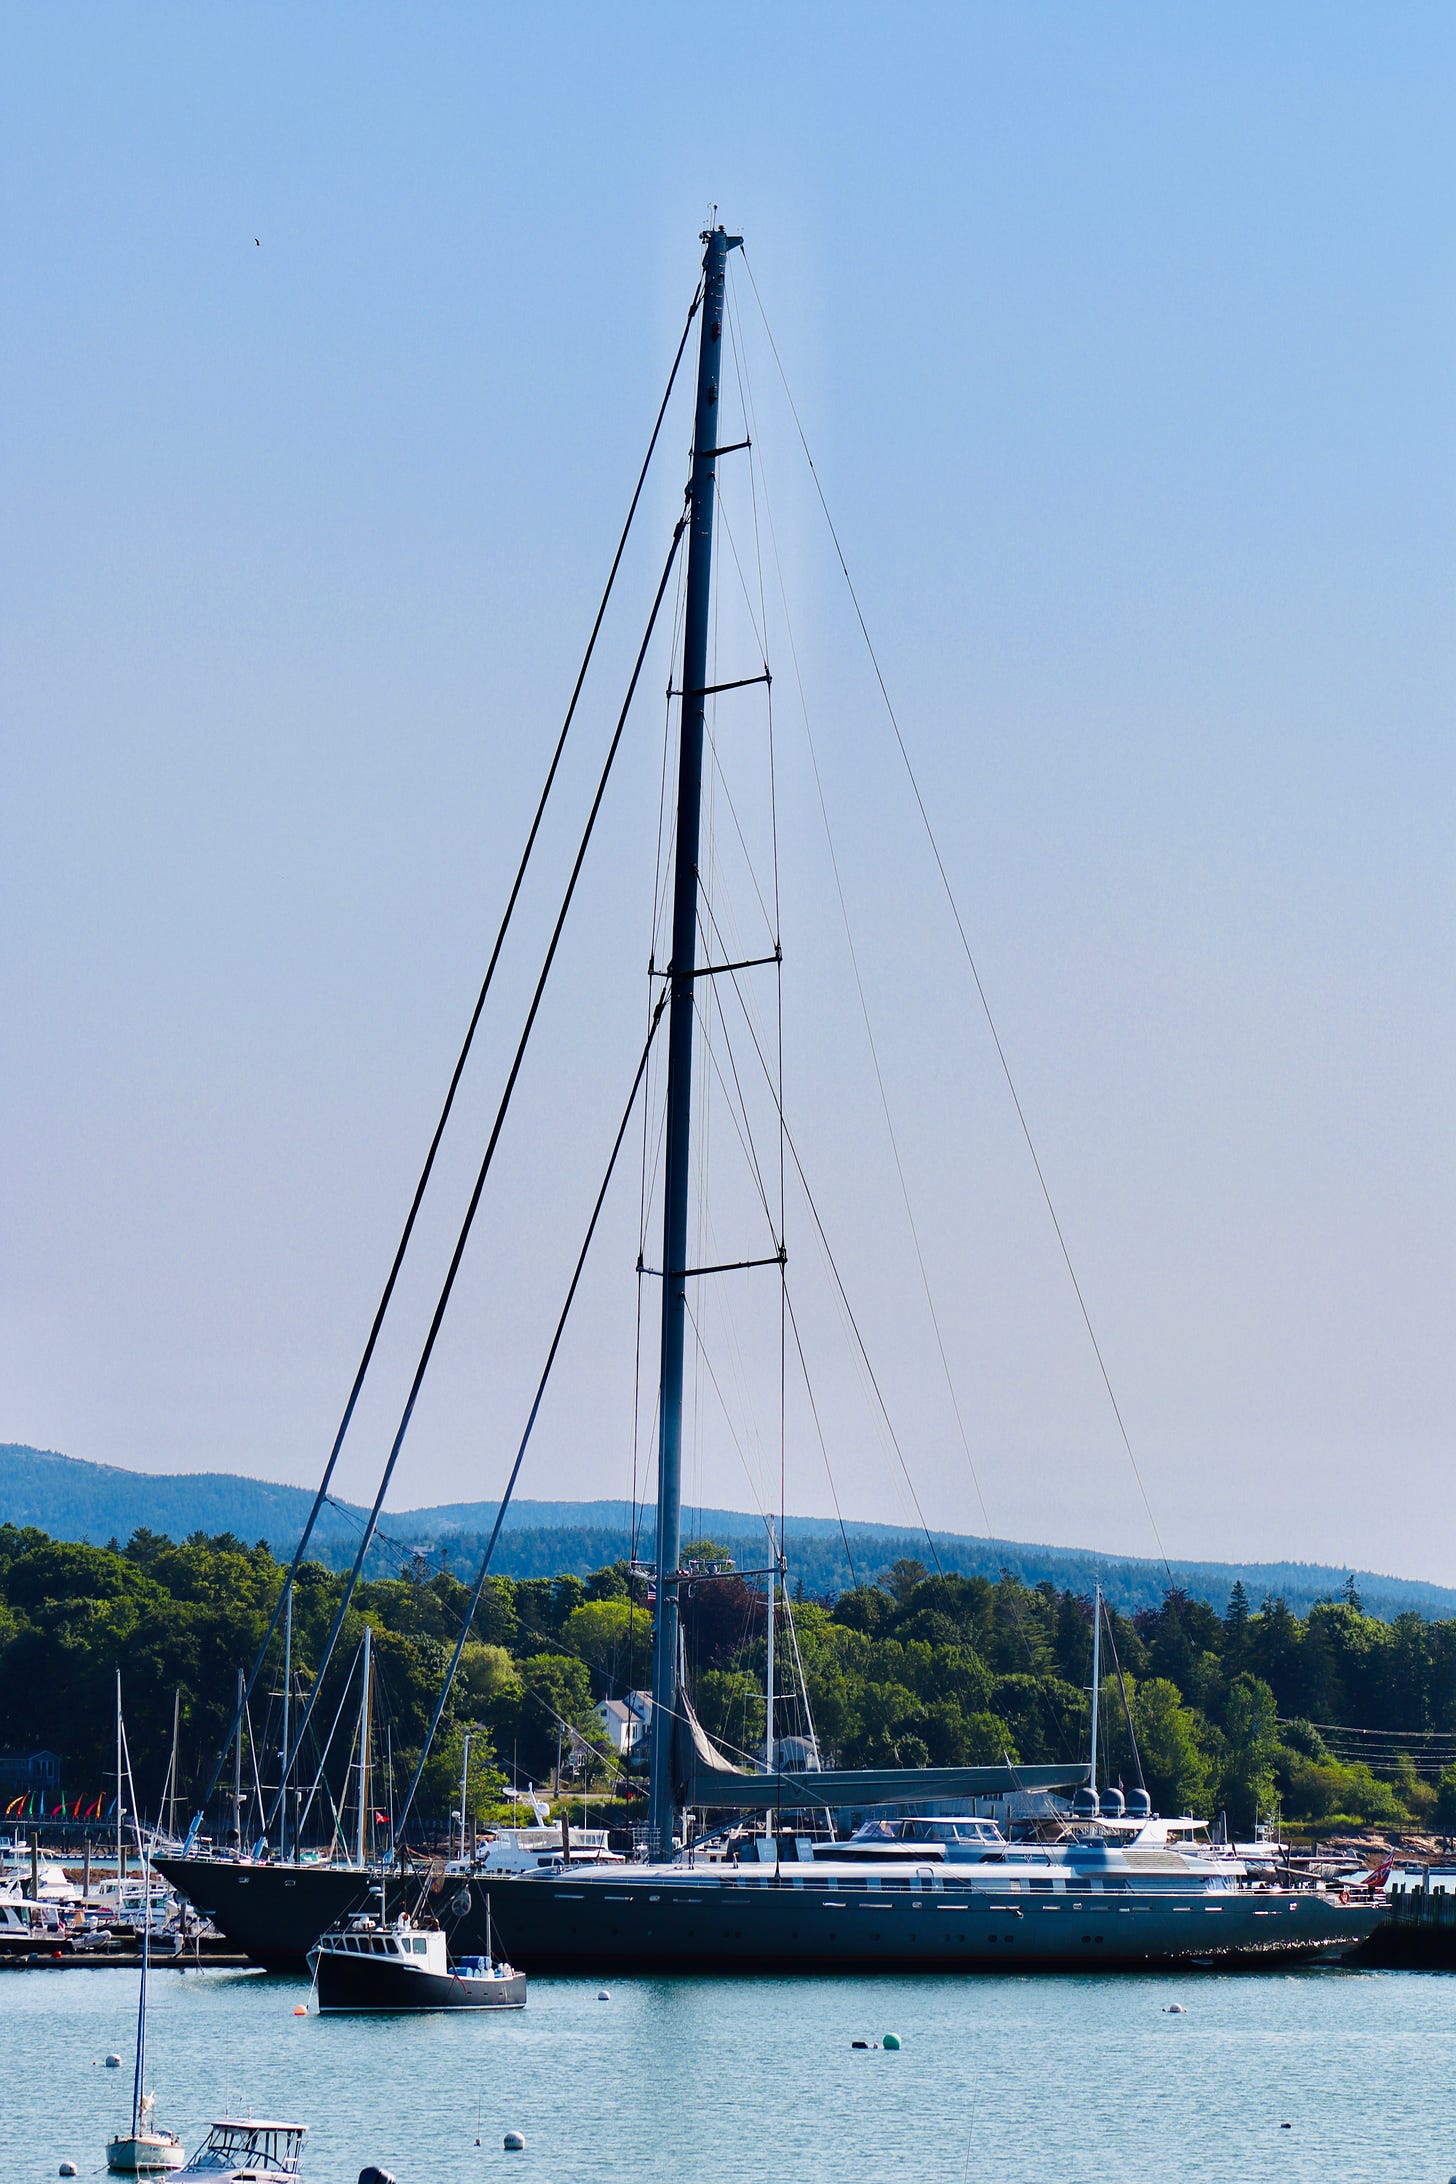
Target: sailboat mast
[[364, 1753], [238, 1766], [283, 1754], [662, 1811], [139, 2082], [120, 1802], [1096, 1679]]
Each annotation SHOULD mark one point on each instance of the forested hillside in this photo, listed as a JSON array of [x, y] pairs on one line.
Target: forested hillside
[[1337, 1714], [71, 1499]]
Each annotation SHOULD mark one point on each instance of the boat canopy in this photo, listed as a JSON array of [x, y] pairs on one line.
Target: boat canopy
[[836, 1787]]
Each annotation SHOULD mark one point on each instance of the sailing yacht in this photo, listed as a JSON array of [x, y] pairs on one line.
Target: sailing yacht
[[1110, 1896]]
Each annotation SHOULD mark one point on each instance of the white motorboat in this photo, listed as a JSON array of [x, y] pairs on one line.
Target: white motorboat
[[247, 2150], [533, 1850]]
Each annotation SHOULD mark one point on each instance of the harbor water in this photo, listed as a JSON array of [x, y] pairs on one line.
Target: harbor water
[[1065, 2080]]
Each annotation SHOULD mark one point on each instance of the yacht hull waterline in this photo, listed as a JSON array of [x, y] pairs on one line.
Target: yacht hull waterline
[[642, 1918]]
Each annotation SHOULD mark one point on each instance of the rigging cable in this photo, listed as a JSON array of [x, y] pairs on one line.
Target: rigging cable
[[458, 1072], [458, 1254], [964, 940], [515, 1472], [793, 1151]]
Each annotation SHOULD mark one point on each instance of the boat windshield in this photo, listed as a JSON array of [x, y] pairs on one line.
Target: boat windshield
[[269, 2145], [983, 1832]]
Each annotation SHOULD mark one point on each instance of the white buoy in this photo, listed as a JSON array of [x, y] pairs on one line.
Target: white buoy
[[514, 2143], [113, 2062], [68, 2168], [604, 1996], [1174, 2009]]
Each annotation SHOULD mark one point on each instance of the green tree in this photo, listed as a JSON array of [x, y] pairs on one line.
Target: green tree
[[488, 1685], [1175, 1762], [1236, 1630], [903, 1577], [555, 1696], [614, 1639], [1251, 1748]]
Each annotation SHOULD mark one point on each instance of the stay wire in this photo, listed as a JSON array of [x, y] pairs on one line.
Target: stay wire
[[838, 1278], [515, 1472], [965, 943], [458, 1071], [459, 1252], [823, 1444], [890, 1132]]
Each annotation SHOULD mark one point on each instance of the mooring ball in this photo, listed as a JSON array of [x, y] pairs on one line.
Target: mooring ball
[[514, 2143], [604, 1996], [68, 2168], [891, 2040], [371, 2175], [113, 2062]]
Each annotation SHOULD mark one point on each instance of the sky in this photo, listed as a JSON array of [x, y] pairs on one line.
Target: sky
[[1122, 343]]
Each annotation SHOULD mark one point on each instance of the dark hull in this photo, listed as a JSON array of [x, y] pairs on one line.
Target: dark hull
[[362, 1983], [274, 1914], [655, 1925], [647, 1922]]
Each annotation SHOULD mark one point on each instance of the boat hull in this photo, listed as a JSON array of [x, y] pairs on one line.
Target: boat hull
[[150, 2153], [273, 1913], [655, 1924], [357, 1983], [642, 1920]]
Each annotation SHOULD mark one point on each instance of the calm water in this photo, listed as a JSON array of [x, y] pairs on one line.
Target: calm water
[[1054, 2079]]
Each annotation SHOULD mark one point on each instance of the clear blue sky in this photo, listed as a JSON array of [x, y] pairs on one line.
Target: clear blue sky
[[1123, 338]]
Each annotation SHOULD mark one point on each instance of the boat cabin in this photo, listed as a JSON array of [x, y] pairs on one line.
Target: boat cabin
[[423, 1948], [244, 2146]]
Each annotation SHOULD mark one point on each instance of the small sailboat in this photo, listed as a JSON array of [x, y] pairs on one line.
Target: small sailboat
[[145, 2149]]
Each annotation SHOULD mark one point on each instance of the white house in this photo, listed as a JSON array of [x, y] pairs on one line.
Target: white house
[[625, 1722]]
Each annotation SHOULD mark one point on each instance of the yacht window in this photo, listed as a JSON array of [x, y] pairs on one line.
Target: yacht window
[[1040, 1884]]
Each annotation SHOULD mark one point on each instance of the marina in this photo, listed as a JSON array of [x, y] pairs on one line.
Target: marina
[[728, 1154]]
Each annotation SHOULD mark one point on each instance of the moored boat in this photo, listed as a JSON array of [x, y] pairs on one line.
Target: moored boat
[[368, 1964], [145, 2150], [248, 2150]]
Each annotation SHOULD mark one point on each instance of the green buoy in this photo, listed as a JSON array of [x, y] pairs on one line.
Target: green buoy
[[891, 2040]]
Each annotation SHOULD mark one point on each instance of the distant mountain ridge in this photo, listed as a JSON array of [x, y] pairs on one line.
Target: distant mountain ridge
[[71, 1498]]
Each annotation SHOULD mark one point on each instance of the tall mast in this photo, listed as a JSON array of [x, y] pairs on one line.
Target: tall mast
[[1096, 1680], [283, 1755], [238, 1766], [364, 1753], [662, 1805], [120, 1801]]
